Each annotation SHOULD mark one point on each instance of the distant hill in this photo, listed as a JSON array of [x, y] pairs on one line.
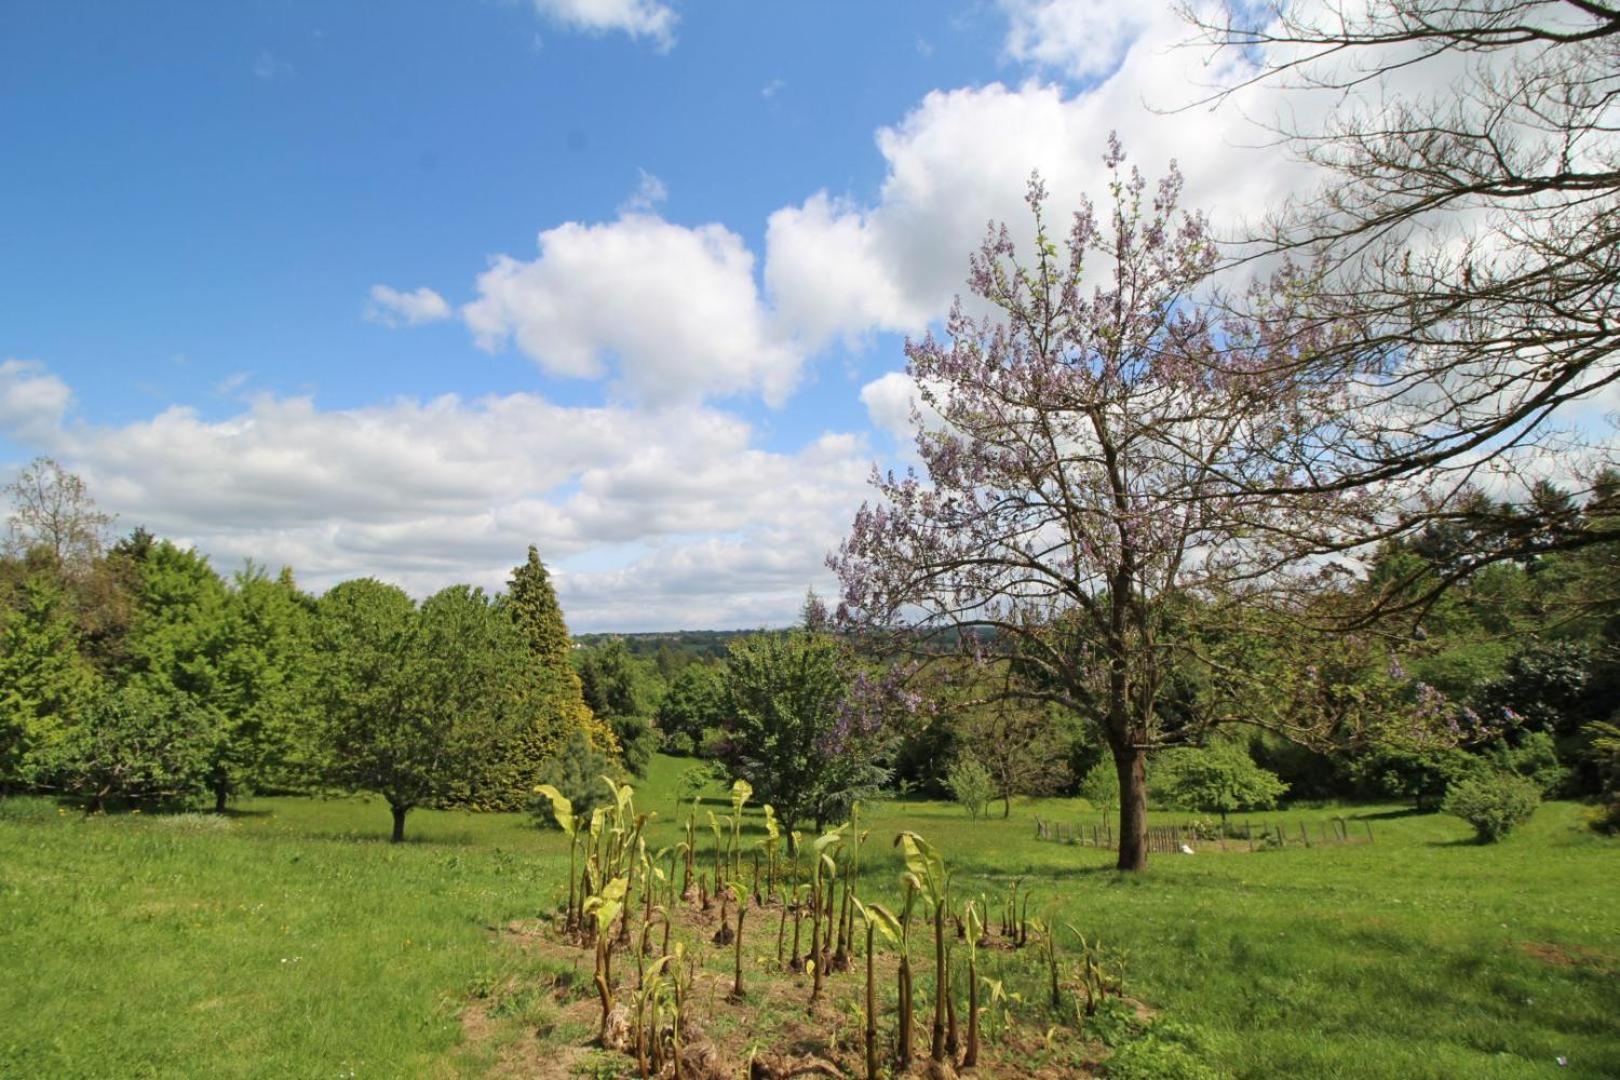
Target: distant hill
[[696, 644]]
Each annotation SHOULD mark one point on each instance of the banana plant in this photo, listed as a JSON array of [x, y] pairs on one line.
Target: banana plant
[[741, 792], [719, 865], [737, 996], [911, 886], [770, 844], [823, 869], [648, 994], [563, 810], [602, 908], [877, 918], [928, 868], [975, 924]]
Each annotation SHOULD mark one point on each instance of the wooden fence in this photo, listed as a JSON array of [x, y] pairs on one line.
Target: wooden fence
[[1170, 839]]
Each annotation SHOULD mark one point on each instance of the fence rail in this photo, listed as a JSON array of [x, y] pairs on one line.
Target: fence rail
[[1170, 839]]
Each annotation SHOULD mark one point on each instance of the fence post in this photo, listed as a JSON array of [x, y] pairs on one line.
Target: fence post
[[1303, 835], [1248, 831], [1369, 831]]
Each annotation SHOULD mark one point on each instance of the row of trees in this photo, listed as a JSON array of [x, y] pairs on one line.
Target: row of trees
[[139, 674]]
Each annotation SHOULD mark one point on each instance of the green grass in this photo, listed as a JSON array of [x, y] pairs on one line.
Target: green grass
[[292, 940]]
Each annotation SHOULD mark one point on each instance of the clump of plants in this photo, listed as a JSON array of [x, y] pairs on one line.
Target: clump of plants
[[1494, 805], [971, 785]]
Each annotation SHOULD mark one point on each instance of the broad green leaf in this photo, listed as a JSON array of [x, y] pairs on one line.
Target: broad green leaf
[[741, 790], [561, 808]]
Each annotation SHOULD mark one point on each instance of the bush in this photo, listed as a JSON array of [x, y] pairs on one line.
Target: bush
[[1535, 758], [1493, 805], [576, 772], [1420, 776], [1100, 787], [1220, 779], [136, 745], [971, 785]]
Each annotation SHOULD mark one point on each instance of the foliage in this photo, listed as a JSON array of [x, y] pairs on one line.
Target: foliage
[[576, 772], [971, 785], [693, 705], [51, 511], [612, 686], [1023, 747], [794, 729], [1534, 756], [44, 683], [1219, 779], [532, 603], [1100, 787], [136, 744], [1494, 804], [1418, 776], [1088, 439], [417, 703]]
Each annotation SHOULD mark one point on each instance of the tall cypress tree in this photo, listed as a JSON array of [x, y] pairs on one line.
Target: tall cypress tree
[[535, 608]]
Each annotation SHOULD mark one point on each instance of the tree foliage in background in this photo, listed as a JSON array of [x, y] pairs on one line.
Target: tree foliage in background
[[971, 785], [693, 706], [612, 685], [51, 510], [796, 727], [1220, 779]]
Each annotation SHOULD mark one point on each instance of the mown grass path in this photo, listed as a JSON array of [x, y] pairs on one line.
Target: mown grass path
[[291, 940]]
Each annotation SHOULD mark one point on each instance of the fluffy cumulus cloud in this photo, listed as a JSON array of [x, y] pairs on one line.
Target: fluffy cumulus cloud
[[654, 518], [674, 311], [1081, 38], [32, 401], [650, 19], [391, 307], [836, 267]]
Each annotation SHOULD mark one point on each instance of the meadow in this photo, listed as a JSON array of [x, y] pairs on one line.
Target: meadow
[[288, 938]]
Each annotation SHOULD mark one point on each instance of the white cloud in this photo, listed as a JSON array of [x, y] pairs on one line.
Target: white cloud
[[638, 18], [32, 401], [650, 194], [390, 307], [961, 159], [637, 509], [268, 67], [677, 308], [1082, 38]]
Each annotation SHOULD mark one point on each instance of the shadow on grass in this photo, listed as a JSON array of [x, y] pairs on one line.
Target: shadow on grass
[[1392, 815]]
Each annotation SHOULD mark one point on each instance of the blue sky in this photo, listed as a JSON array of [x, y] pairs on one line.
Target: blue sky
[[397, 289]]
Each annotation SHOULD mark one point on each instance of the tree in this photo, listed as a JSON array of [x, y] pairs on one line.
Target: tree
[[45, 685], [175, 645], [136, 743], [795, 728], [1220, 779], [610, 685], [415, 701], [1023, 747], [264, 684], [694, 705], [1089, 483], [532, 603], [1466, 225], [52, 509]]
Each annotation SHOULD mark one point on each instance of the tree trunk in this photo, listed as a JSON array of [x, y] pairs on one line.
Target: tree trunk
[[1131, 764], [221, 790], [399, 822], [1006, 805]]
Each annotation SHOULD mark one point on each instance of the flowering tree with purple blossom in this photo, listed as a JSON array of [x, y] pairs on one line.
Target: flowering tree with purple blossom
[[1084, 516]]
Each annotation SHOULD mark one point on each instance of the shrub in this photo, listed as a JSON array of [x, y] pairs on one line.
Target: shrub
[[1220, 779], [971, 785], [1420, 776], [576, 772], [1494, 805], [1100, 787], [136, 745]]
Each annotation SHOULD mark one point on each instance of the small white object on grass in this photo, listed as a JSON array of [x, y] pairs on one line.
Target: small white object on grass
[[1186, 850]]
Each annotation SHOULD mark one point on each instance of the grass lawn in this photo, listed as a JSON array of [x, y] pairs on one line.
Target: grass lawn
[[290, 939]]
